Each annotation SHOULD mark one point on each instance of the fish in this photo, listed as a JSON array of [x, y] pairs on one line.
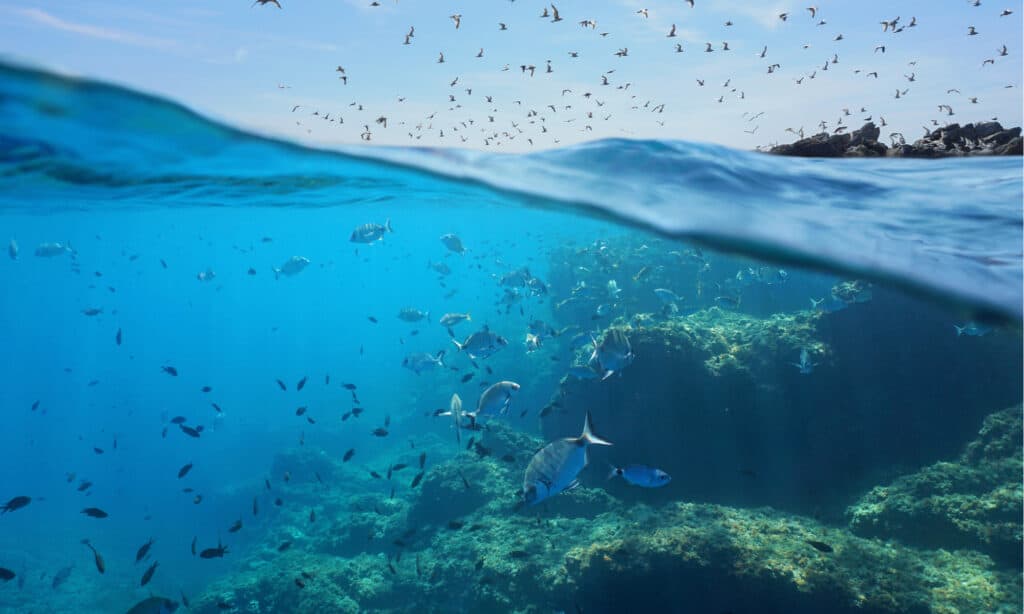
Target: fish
[[368, 233], [197, 499], [348, 386], [439, 267], [301, 410], [805, 366], [453, 243], [612, 354], [95, 512], [184, 470], [236, 526], [467, 377], [96, 556], [422, 361], [423, 459], [416, 480], [250, 271], [117, 337], [375, 475], [148, 575], [449, 320], [12, 249], [411, 314], [292, 266], [281, 385], [61, 576], [348, 455], [379, 432], [214, 553], [143, 550], [641, 273], [35, 405], [49, 250], [154, 605], [255, 506], [455, 525], [555, 467], [312, 515], [301, 384], [169, 370], [207, 275], [15, 503], [666, 296], [284, 545], [972, 329], [6, 574], [398, 466], [455, 407], [216, 408], [194, 540], [84, 486], [179, 420], [191, 432], [482, 343], [820, 546], [497, 399], [641, 475], [372, 319]]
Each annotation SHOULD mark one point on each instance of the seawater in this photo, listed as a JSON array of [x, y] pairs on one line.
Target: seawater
[[145, 195]]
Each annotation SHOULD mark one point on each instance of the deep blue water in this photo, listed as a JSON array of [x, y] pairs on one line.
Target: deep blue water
[[148, 195]]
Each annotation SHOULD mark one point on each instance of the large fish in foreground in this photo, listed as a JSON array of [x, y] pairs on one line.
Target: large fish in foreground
[[612, 354], [554, 468], [154, 605]]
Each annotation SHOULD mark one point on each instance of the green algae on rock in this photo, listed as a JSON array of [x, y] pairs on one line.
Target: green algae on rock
[[972, 502]]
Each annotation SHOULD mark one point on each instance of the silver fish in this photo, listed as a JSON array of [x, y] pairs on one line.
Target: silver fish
[[451, 319], [805, 365], [555, 467], [421, 361], [49, 250], [368, 233], [12, 249], [497, 399], [291, 266], [455, 407], [410, 314], [482, 343]]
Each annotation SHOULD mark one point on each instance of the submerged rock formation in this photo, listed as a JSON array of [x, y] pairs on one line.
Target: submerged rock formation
[[981, 139], [974, 501]]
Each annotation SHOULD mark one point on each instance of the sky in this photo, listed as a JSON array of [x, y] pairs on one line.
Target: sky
[[251, 65]]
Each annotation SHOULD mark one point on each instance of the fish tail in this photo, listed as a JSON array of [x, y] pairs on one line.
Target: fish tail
[[614, 471], [387, 225], [469, 318], [588, 437], [428, 316], [277, 273], [457, 344], [440, 357], [959, 330]]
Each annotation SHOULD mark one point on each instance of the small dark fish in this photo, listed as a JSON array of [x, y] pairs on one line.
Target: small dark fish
[[312, 515], [59, 578], [282, 385], [196, 500], [465, 482], [35, 405], [399, 543], [179, 420], [95, 512], [419, 570], [318, 478], [348, 455], [310, 420], [213, 553], [184, 599], [206, 389], [300, 410], [345, 416], [357, 411], [820, 546], [188, 430], [455, 525], [266, 482], [414, 332], [748, 473], [255, 506], [380, 432], [349, 386], [84, 486], [301, 384], [372, 319], [481, 450], [375, 475], [217, 408], [143, 550], [97, 557], [117, 337], [416, 480], [519, 554], [327, 379], [236, 526], [472, 440], [146, 577], [489, 370], [399, 466], [423, 459], [468, 376], [97, 451], [509, 458], [92, 311], [284, 545], [6, 574], [188, 489], [184, 470], [389, 473], [194, 545], [299, 583], [307, 575], [224, 605], [251, 271], [169, 370]]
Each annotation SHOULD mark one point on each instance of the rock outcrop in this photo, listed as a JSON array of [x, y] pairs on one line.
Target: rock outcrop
[[953, 140]]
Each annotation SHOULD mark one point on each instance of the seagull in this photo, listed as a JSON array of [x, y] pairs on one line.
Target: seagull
[[813, 10], [440, 58], [1002, 52], [502, 26], [708, 49], [913, 22], [725, 46], [971, 31], [457, 18], [556, 16], [1003, 14], [642, 12], [679, 47], [880, 47], [480, 54], [672, 32], [266, 2], [783, 16], [764, 51]]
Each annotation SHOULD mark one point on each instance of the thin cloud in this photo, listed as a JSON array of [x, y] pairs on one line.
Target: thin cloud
[[118, 36]]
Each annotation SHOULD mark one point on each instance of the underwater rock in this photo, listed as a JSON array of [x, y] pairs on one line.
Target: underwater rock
[[972, 502]]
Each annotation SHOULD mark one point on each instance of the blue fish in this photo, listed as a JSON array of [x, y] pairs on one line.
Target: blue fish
[[972, 329], [641, 475]]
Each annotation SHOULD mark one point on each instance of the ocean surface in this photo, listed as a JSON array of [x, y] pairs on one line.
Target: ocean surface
[[806, 340]]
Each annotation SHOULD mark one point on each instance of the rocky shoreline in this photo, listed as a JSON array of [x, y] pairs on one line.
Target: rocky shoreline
[[954, 140]]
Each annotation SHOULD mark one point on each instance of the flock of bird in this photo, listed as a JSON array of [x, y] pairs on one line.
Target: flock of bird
[[540, 122]]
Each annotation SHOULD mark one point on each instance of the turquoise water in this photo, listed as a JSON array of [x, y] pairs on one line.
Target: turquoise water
[[144, 196]]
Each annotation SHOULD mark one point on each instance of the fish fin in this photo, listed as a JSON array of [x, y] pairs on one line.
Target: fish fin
[[469, 318], [959, 330], [607, 374], [277, 273], [457, 344], [588, 435], [614, 471], [573, 484], [387, 225], [440, 357]]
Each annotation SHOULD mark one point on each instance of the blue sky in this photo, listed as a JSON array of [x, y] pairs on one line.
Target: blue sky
[[228, 59]]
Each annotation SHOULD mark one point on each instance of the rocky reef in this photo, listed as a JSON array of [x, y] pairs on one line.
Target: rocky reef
[[974, 501], [462, 543], [981, 139]]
